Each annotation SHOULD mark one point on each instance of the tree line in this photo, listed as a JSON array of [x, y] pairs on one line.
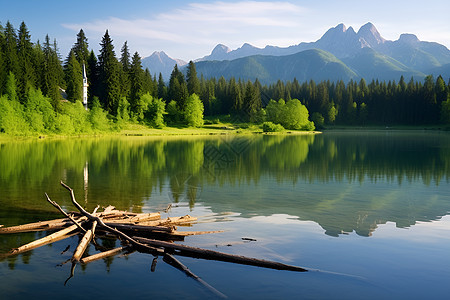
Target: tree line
[[40, 92]]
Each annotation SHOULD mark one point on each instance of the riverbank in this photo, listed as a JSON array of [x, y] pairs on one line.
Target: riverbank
[[142, 130]]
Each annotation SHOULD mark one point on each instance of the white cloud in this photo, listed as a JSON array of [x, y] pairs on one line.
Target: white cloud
[[201, 25]]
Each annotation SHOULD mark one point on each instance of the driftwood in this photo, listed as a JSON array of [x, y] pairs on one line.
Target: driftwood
[[220, 256], [130, 228], [84, 243], [101, 255], [54, 237]]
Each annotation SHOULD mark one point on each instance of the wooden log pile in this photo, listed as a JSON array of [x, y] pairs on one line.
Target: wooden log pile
[[142, 232]]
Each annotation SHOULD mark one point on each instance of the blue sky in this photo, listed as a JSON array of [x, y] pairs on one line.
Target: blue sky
[[190, 29]]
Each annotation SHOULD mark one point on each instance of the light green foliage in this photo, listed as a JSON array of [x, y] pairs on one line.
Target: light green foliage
[[11, 87], [12, 120], [98, 117], [193, 114], [156, 113], [78, 116], [123, 110], [173, 114], [291, 115], [141, 107], [331, 113], [39, 112], [271, 127]]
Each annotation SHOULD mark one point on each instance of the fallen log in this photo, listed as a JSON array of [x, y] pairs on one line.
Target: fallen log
[[141, 228], [170, 221], [220, 256], [84, 243], [105, 254], [38, 226], [54, 237], [139, 246]]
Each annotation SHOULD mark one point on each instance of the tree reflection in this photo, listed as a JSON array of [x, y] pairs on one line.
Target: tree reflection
[[127, 172]]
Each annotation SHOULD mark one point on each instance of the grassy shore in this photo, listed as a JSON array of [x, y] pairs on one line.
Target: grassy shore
[[142, 130]]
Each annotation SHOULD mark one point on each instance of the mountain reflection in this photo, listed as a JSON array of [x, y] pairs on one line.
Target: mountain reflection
[[344, 181]]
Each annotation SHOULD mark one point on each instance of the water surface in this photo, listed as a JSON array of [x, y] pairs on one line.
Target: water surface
[[370, 210]]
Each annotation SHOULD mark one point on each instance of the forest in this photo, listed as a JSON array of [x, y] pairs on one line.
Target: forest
[[40, 92]]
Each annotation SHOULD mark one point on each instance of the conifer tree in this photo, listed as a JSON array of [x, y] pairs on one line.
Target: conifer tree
[[137, 82], [178, 88], [51, 70], [80, 48], [74, 78], [93, 77], [26, 73], [162, 89], [126, 68], [109, 80], [10, 49], [2, 60], [193, 84]]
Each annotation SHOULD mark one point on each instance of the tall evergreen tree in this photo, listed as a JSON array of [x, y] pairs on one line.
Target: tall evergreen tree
[[81, 48], [93, 77], [51, 71], [193, 83], [109, 70], [162, 89], [73, 77], [2, 60], [10, 49], [178, 88], [26, 73], [137, 82]]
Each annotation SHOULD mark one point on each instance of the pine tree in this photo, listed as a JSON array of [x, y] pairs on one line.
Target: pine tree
[[26, 73], [109, 80], [80, 48], [137, 82], [51, 70], [178, 88], [93, 77], [2, 60], [74, 78], [10, 49], [126, 67], [193, 84], [162, 89]]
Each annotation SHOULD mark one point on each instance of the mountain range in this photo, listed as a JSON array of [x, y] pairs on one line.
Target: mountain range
[[341, 53]]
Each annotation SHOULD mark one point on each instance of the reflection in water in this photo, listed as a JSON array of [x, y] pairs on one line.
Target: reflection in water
[[343, 181]]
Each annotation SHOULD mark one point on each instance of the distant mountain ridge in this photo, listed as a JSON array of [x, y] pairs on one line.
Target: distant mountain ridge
[[160, 62], [363, 54]]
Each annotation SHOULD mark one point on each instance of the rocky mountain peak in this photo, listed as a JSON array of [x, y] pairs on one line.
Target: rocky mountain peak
[[408, 38], [220, 49], [370, 35]]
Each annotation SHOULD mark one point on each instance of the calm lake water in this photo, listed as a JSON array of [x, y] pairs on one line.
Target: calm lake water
[[369, 210]]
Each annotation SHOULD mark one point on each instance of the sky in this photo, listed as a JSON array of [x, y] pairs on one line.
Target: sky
[[191, 29]]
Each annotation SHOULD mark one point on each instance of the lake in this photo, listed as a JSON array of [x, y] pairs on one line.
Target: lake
[[369, 211]]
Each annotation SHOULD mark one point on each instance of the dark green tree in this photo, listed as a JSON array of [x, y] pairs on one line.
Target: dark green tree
[[178, 88], [137, 82], [73, 77], [162, 89], [193, 83], [109, 75], [81, 49], [10, 49], [93, 77], [51, 70], [26, 73]]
